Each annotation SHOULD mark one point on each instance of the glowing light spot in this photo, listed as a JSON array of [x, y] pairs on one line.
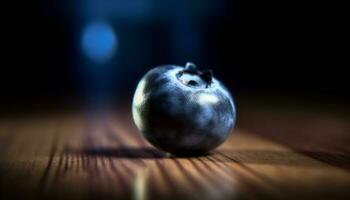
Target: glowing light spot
[[204, 98], [98, 41]]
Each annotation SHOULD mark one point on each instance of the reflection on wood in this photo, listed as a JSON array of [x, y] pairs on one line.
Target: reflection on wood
[[80, 156]]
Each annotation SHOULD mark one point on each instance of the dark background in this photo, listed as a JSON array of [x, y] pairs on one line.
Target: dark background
[[265, 47]]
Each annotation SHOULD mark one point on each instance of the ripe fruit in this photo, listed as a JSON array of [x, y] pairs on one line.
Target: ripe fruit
[[182, 110]]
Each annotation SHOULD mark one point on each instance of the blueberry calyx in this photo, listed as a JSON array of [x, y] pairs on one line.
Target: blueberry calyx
[[207, 75], [190, 67], [192, 77]]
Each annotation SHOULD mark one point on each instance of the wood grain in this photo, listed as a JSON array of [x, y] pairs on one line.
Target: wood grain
[[97, 155]]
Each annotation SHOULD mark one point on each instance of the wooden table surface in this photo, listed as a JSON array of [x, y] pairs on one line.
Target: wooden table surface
[[96, 155]]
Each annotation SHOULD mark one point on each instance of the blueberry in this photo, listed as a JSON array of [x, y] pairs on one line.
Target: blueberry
[[182, 110]]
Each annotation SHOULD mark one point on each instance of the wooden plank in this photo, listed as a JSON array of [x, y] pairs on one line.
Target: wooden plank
[[93, 155]]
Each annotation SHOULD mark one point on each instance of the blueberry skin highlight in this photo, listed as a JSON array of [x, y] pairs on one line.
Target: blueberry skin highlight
[[183, 111]]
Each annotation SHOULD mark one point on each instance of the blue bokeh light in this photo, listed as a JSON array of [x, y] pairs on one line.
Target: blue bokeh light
[[98, 41]]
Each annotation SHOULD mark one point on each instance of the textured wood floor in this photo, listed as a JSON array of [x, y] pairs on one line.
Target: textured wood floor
[[82, 155]]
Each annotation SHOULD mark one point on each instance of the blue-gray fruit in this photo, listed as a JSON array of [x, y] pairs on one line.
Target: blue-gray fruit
[[182, 110]]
